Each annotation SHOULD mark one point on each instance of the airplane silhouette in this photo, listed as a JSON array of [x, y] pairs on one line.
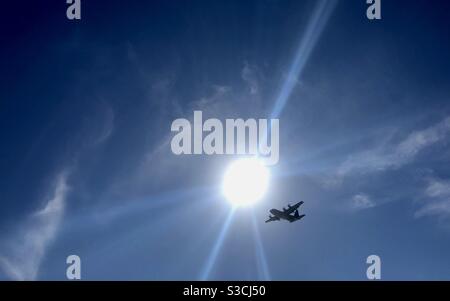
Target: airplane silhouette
[[286, 214]]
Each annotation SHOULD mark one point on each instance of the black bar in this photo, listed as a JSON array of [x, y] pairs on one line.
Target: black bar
[[226, 289]]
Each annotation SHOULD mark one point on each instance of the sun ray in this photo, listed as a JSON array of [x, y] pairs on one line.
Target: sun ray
[[263, 266], [315, 27], [105, 214], [217, 246]]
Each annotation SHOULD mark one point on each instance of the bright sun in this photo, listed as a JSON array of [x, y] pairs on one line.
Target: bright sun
[[245, 182]]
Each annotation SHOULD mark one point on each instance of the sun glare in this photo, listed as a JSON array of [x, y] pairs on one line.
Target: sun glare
[[245, 182]]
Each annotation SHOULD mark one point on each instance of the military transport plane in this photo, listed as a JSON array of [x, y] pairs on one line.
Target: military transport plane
[[286, 214]]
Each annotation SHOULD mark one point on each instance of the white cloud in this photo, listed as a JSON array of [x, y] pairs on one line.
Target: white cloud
[[27, 248], [419, 140], [395, 155], [212, 100], [437, 202], [391, 154], [248, 74], [438, 188], [362, 201]]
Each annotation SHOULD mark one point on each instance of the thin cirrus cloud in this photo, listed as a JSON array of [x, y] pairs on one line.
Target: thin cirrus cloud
[[396, 155], [248, 75], [21, 254], [25, 251], [437, 199], [362, 201]]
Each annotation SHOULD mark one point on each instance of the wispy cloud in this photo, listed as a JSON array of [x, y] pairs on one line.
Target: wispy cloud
[[419, 140], [25, 251], [392, 153], [437, 201], [216, 98], [107, 125], [362, 201], [98, 124], [396, 154], [249, 76]]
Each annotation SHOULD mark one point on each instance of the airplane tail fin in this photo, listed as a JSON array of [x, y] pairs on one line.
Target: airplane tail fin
[[297, 216]]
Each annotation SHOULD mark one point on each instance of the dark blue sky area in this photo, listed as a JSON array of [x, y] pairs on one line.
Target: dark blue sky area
[[86, 166]]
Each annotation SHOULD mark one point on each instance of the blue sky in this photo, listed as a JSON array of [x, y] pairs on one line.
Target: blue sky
[[86, 165]]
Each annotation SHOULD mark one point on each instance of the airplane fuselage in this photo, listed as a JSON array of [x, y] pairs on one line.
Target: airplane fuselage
[[289, 214], [283, 215]]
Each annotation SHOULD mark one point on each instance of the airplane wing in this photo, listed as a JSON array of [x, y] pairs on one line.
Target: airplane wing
[[272, 219], [292, 209]]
